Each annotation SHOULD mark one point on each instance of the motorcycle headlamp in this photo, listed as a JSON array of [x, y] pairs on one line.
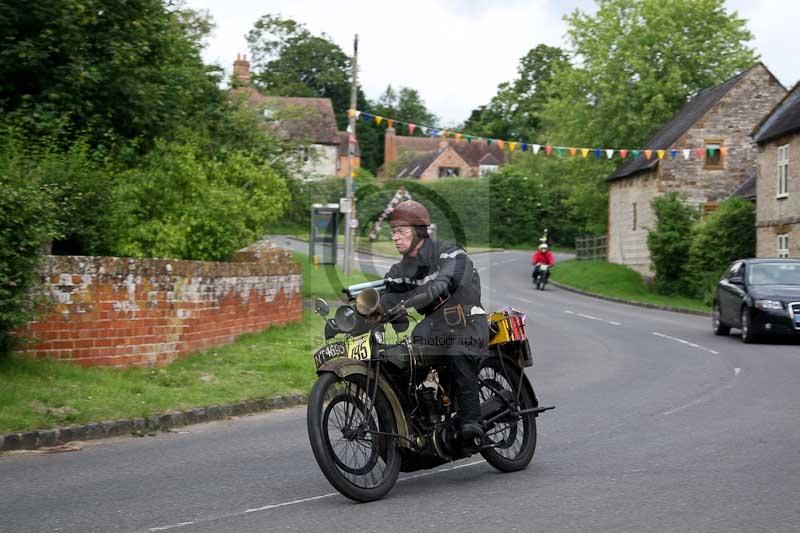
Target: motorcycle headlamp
[[772, 305], [346, 318]]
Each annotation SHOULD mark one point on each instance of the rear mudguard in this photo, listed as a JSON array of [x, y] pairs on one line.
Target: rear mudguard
[[344, 367], [510, 355]]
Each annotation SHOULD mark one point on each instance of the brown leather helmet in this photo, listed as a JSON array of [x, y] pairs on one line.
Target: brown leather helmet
[[409, 213]]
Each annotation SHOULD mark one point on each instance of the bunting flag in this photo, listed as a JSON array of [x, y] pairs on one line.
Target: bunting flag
[[561, 151]]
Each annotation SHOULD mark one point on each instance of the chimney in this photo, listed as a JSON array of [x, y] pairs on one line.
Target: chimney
[[241, 71], [389, 146]]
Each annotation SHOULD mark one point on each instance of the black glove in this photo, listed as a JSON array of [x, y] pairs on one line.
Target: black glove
[[398, 310]]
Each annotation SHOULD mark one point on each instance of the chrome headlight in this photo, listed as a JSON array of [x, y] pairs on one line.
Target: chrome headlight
[[771, 305], [346, 318]]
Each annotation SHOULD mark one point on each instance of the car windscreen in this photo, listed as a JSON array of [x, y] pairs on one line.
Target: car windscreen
[[774, 274]]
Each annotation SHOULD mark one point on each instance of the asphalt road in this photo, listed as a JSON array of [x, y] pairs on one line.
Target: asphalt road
[[660, 426]]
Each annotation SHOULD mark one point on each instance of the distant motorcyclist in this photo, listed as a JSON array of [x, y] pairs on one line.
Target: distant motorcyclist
[[542, 256], [439, 280]]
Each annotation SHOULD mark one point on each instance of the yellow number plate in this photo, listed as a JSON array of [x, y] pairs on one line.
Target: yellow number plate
[[358, 347]]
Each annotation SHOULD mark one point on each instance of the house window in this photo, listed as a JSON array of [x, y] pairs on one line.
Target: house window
[[783, 245], [634, 216], [448, 172], [714, 159], [783, 171]]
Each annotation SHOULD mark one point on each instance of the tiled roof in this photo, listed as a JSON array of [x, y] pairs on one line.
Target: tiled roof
[[488, 159], [690, 113], [784, 118], [303, 119], [471, 152], [747, 190], [419, 164], [344, 145], [417, 144]]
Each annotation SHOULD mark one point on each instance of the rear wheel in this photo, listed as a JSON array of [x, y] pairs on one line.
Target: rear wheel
[[716, 322], [513, 438], [343, 429]]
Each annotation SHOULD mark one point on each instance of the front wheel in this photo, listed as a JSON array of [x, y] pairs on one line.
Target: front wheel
[[513, 438], [348, 437], [749, 334]]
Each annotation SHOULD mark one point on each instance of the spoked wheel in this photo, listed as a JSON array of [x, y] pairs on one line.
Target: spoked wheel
[[347, 436], [513, 438]]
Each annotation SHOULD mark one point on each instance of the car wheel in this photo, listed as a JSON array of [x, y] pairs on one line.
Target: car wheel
[[716, 323], [748, 331]]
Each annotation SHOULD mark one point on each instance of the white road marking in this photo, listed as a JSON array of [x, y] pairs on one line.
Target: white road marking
[[303, 500], [682, 341], [590, 317], [736, 372]]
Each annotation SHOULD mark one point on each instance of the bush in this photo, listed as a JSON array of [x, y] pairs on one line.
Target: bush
[[179, 204], [669, 243], [727, 234], [27, 221]]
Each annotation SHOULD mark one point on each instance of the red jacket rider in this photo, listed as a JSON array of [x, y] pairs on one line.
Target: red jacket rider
[[543, 256]]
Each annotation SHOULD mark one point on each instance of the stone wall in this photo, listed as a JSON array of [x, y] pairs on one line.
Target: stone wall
[[321, 162], [776, 216], [626, 245], [113, 311], [730, 123]]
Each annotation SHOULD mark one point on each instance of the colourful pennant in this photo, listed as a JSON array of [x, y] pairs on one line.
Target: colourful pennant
[[573, 151], [660, 153], [584, 152], [378, 120], [623, 153], [548, 149], [512, 146], [536, 148], [411, 128], [500, 144], [609, 153], [648, 154]]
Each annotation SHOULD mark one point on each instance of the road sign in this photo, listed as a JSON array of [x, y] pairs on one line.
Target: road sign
[[345, 205]]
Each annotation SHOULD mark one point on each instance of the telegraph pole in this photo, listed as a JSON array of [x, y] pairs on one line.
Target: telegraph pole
[[351, 149]]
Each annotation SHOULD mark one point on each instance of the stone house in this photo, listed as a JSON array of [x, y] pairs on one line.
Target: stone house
[[719, 121], [778, 183], [431, 158], [309, 122]]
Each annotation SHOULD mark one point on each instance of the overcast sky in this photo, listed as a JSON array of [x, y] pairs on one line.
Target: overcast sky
[[456, 52]]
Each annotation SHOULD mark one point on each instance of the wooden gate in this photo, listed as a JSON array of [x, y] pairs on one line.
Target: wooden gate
[[587, 248]]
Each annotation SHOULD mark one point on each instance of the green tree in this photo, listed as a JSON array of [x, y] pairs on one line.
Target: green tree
[[635, 63], [727, 234], [669, 243], [180, 203], [288, 60], [513, 113], [110, 70]]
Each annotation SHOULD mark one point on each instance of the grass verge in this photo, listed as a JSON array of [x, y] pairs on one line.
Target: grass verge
[[45, 394], [617, 281]]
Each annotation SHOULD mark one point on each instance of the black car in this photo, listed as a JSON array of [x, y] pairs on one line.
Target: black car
[[759, 296]]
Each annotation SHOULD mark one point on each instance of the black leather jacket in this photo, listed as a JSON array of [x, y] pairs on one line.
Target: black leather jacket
[[442, 272]]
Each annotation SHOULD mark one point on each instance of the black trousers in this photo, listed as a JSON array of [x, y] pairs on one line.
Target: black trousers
[[463, 346]]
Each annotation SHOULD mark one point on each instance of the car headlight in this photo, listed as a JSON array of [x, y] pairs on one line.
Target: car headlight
[[768, 304]]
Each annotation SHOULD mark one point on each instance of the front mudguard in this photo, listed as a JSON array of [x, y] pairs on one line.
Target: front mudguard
[[344, 367]]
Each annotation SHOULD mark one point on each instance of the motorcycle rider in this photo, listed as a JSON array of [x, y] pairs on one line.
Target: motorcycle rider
[[542, 256], [439, 280]]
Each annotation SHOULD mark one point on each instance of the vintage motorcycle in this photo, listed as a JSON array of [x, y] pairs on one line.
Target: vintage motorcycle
[[380, 407]]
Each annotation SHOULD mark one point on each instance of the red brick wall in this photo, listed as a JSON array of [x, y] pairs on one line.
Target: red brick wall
[[115, 311]]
